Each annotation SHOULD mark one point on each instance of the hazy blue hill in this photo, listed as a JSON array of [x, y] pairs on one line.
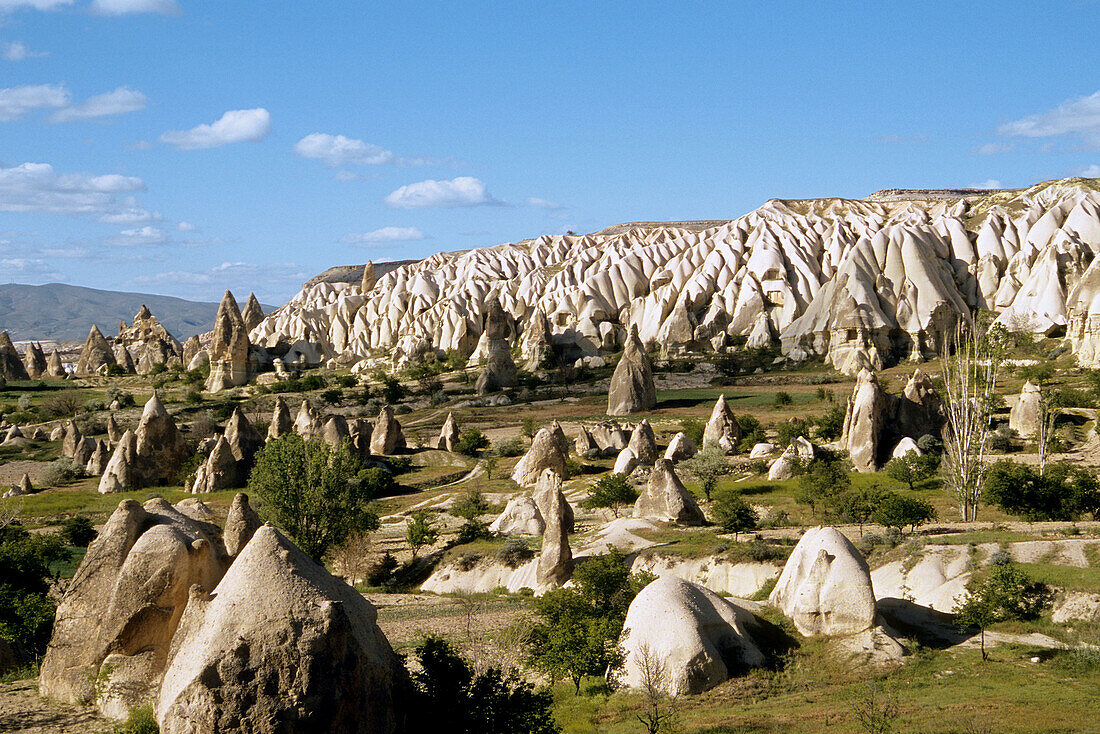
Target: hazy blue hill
[[66, 312]]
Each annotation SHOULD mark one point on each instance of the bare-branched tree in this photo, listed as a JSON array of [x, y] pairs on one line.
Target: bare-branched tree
[[971, 363], [10, 507], [659, 708]]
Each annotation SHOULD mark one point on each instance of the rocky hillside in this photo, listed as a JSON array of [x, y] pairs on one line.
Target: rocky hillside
[[59, 312], [861, 283]]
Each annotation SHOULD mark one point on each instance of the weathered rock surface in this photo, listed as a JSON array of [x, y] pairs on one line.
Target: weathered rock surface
[[281, 422], [722, 431], [253, 312], [121, 474], [240, 525], [555, 565], [229, 364], [905, 446], [688, 635], [643, 443], [279, 646], [679, 448], [115, 623], [448, 434], [521, 516], [54, 366], [546, 492], [219, 471], [500, 369], [632, 389], [626, 462], [161, 448], [1026, 414], [610, 436], [863, 423], [545, 453], [96, 356], [666, 498], [825, 587], [11, 366], [34, 360], [920, 409], [387, 438]]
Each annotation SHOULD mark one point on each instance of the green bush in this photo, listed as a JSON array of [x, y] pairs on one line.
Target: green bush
[[317, 493], [471, 442], [515, 552], [381, 572], [898, 511], [26, 606], [830, 425], [1062, 492], [510, 447], [733, 513], [61, 471], [783, 398], [78, 531], [141, 720], [332, 396], [693, 428], [611, 491]]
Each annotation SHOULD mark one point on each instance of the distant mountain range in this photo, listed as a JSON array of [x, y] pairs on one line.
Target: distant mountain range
[[60, 312]]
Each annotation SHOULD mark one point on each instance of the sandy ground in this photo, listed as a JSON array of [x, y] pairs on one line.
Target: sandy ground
[[22, 711], [13, 471]]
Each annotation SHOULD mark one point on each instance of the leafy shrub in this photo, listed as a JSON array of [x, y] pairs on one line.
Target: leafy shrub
[[783, 398], [125, 399], [758, 466], [116, 370], [193, 397], [515, 552], [471, 531], [1002, 440], [471, 505], [912, 469], [1000, 558], [140, 721], [1062, 492], [26, 607], [332, 396], [347, 381], [382, 571], [510, 447], [898, 511], [61, 405], [752, 432], [830, 425], [775, 519], [61, 471], [467, 561], [733, 513], [78, 531], [25, 402], [929, 444], [788, 430], [471, 442], [530, 425], [693, 428], [612, 491]]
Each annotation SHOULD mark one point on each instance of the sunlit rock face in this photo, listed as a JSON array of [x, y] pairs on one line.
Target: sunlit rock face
[[862, 284]]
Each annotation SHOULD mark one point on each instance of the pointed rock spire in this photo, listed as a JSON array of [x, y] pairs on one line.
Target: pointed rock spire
[[228, 347], [632, 389], [253, 312]]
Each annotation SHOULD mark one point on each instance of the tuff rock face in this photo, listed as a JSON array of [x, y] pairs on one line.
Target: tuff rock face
[[679, 448], [666, 498], [448, 434], [387, 438], [1026, 414], [160, 446], [146, 344], [96, 356], [863, 424], [54, 366], [121, 474], [521, 516], [555, 565], [229, 365], [862, 283], [632, 389], [280, 645], [547, 489], [500, 369], [35, 361], [698, 638], [280, 420], [643, 443], [722, 432], [11, 366], [253, 313], [240, 525], [825, 587], [115, 623], [219, 471], [545, 453]]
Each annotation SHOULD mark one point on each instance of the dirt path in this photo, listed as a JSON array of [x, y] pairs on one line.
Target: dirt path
[[22, 711]]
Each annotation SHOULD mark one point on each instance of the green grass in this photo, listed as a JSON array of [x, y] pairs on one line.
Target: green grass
[[936, 691], [1066, 577], [83, 498], [979, 537]]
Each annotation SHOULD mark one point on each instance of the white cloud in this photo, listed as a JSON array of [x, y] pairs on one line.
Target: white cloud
[[127, 7], [383, 235], [989, 183], [139, 236], [36, 187], [993, 148], [271, 282], [1078, 117], [28, 267], [18, 51], [542, 203], [337, 150], [131, 215], [9, 5], [186, 227], [15, 102], [139, 145], [1092, 171], [118, 102], [234, 126], [461, 191]]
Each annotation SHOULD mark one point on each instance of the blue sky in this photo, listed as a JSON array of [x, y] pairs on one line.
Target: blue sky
[[184, 147]]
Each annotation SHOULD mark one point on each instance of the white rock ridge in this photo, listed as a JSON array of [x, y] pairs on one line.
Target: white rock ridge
[[862, 283]]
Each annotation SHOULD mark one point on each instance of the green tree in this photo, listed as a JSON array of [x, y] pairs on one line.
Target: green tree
[[578, 630], [830, 425], [733, 513], [858, 505], [450, 697], [895, 510], [707, 466], [1062, 492], [1004, 592], [823, 479], [319, 494], [470, 442], [26, 607], [693, 428], [752, 432], [912, 469], [421, 531], [611, 490], [471, 505]]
